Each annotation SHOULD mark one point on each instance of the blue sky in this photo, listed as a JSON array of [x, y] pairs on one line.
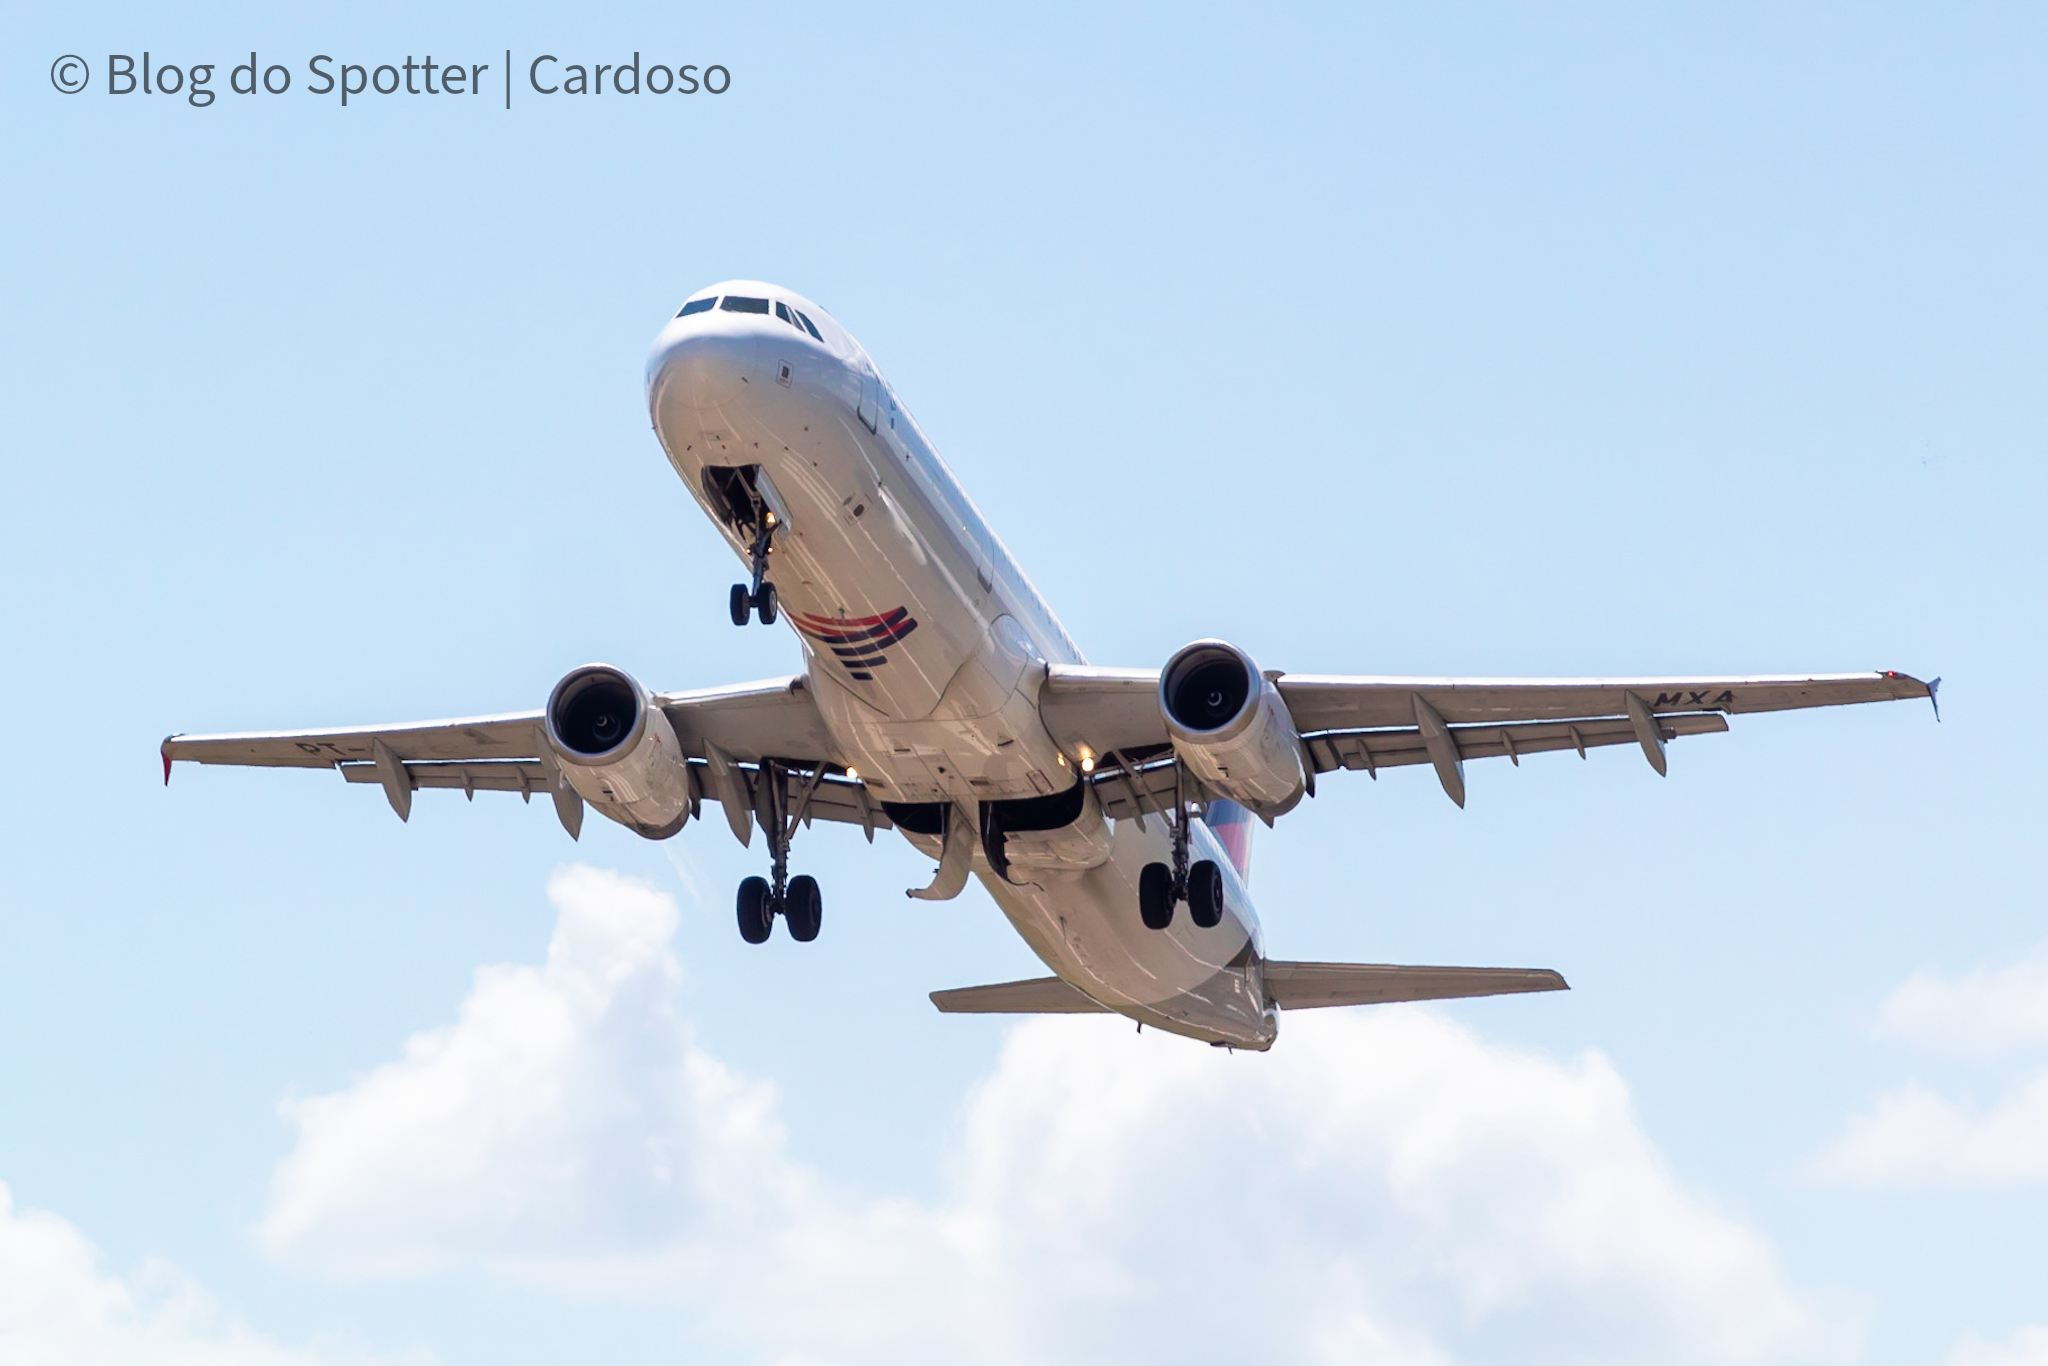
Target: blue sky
[[1474, 340]]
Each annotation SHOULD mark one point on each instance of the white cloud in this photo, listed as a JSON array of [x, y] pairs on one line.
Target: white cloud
[[58, 1308], [1981, 1012], [1384, 1186], [2028, 1347], [565, 1119], [1914, 1135]]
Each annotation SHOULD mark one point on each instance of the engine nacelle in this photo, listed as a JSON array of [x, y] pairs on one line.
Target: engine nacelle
[[1231, 728], [618, 750]]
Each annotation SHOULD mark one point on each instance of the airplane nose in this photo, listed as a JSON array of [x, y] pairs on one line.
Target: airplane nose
[[700, 371]]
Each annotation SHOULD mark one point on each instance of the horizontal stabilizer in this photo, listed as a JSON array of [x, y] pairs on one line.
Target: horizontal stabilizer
[[1039, 996], [1304, 986]]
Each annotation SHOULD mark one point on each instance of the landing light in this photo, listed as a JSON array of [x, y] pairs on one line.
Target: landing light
[[1088, 765], [854, 774]]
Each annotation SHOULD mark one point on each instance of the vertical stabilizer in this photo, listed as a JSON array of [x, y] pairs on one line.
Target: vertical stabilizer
[[1232, 826]]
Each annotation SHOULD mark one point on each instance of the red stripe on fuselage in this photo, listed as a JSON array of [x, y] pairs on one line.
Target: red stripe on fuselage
[[825, 623], [884, 629]]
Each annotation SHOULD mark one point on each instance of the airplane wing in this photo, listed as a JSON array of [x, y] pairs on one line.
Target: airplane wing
[[1373, 723], [772, 724]]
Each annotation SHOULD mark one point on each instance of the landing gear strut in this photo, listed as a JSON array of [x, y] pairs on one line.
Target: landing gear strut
[[796, 899], [757, 598], [1162, 887]]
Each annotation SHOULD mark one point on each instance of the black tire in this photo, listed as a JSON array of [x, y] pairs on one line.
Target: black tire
[[742, 604], [757, 912], [1205, 894], [803, 908], [1155, 896], [767, 604]]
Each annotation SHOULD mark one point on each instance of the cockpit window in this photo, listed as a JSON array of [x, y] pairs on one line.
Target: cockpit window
[[735, 303], [793, 318], [807, 324], [698, 306]]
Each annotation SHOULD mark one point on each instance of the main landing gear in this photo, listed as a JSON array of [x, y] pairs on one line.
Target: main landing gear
[[759, 597], [1161, 888], [800, 904], [796, 899]]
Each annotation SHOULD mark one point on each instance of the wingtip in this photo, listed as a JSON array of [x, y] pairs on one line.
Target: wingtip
[[165, 750]]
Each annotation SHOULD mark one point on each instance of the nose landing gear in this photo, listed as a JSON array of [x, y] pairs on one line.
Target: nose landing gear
[[796, 899], [759, 597], [762, 600]]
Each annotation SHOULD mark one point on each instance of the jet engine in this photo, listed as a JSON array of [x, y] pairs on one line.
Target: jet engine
[[1231, 728], [618, 750]]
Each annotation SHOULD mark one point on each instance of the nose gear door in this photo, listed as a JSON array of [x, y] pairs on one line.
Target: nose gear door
[[870, 410]]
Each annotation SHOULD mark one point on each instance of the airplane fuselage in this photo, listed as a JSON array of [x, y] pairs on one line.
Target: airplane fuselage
[[925, 645]]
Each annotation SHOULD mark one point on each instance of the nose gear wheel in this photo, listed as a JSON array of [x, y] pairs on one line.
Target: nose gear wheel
[[757, 596]]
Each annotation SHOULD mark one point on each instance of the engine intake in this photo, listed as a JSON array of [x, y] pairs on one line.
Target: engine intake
[[1231, 728], [618, 750]]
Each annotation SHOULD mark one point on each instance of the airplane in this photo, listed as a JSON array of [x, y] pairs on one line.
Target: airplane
[[940, 697]]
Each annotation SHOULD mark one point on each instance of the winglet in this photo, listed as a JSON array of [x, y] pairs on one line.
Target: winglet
[[165, 750], [1933, 695]]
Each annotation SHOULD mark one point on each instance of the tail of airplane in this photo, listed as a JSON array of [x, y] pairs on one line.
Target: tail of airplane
[[1290, 986], [1232, 826], [1305, 986]]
